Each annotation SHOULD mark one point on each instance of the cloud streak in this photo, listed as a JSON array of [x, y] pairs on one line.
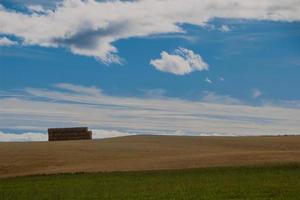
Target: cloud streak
[[37, 137], [36, 109], [91, 27], [24, 137]]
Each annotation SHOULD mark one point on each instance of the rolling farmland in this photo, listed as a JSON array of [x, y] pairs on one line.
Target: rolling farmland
[[135, 153]]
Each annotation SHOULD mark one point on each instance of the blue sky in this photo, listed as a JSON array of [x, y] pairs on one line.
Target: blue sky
[[251, 61]]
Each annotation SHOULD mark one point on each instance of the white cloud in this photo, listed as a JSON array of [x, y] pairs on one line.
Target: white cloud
[[91, 27], [183, 62], [225, 28], [4, 41], [256, 93], [35, 110], [208, 80]]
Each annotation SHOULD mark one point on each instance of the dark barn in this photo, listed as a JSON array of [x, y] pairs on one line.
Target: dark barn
[[76, 133]]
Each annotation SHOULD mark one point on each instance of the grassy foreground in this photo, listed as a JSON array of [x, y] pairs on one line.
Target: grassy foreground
[[272, 182]]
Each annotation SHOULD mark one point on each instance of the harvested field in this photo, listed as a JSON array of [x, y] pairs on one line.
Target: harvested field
[[144, 153]]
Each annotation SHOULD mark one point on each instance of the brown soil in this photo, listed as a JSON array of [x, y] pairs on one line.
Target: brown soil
[[144, 153]]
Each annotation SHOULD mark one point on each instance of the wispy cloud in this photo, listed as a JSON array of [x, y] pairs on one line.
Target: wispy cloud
[[256, 93], [225, 28], [212, 97], [91, 27], [183, 61], [154, 93], [208, 80], [35, 110], [4, 41]]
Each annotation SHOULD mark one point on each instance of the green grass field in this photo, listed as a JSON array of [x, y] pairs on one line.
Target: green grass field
[[272, 182]]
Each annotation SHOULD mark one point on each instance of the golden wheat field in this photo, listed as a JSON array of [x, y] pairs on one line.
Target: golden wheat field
[[133, 153]]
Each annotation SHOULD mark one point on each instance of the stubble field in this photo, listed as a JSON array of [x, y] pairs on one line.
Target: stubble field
[[135, 153]]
